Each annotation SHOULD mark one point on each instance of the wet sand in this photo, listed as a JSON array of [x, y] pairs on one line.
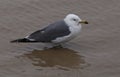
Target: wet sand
[[95, 53]]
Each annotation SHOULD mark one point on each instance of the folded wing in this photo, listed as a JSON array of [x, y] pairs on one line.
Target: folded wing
[[51, 32]]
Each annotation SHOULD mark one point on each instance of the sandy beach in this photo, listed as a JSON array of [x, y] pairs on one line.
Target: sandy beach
[[94, 53]]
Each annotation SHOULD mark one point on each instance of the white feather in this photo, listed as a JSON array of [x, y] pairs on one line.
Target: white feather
[[74, 28]]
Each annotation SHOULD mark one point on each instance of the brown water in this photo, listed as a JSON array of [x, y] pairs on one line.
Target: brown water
[[95, 53]]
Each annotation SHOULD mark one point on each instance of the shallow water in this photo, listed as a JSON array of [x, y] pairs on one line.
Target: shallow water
[[95, 53]]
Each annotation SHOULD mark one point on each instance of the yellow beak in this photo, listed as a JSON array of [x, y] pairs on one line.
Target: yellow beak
[[84, 22]]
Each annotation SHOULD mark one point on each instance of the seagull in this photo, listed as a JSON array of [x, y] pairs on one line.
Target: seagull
[[56, 33]]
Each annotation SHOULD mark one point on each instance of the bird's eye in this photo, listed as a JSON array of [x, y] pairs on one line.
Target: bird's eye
[[74, 19]]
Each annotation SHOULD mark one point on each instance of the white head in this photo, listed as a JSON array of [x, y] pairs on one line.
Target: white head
[[74, 20]]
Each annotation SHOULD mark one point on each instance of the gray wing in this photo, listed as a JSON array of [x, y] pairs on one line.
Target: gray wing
[[50, 32]]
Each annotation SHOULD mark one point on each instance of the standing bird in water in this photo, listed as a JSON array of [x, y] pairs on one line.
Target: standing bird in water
[[56, 33]]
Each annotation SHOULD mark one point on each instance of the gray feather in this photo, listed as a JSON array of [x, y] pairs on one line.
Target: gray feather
[[51, 32]]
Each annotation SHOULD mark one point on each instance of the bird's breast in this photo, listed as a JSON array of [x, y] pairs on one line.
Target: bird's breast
[[75, 30]]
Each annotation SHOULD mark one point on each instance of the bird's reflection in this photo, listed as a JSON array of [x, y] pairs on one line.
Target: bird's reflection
[[53, 57]]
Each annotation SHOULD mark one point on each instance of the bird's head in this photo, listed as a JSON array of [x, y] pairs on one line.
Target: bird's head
[[72, 19]]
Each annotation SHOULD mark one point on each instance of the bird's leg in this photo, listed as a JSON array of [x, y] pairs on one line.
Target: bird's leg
[[57, 46], [46, 48], [53, 46]]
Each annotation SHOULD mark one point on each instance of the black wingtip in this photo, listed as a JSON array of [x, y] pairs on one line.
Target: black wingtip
[[20, 40], [13, 41], [23, 40]]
